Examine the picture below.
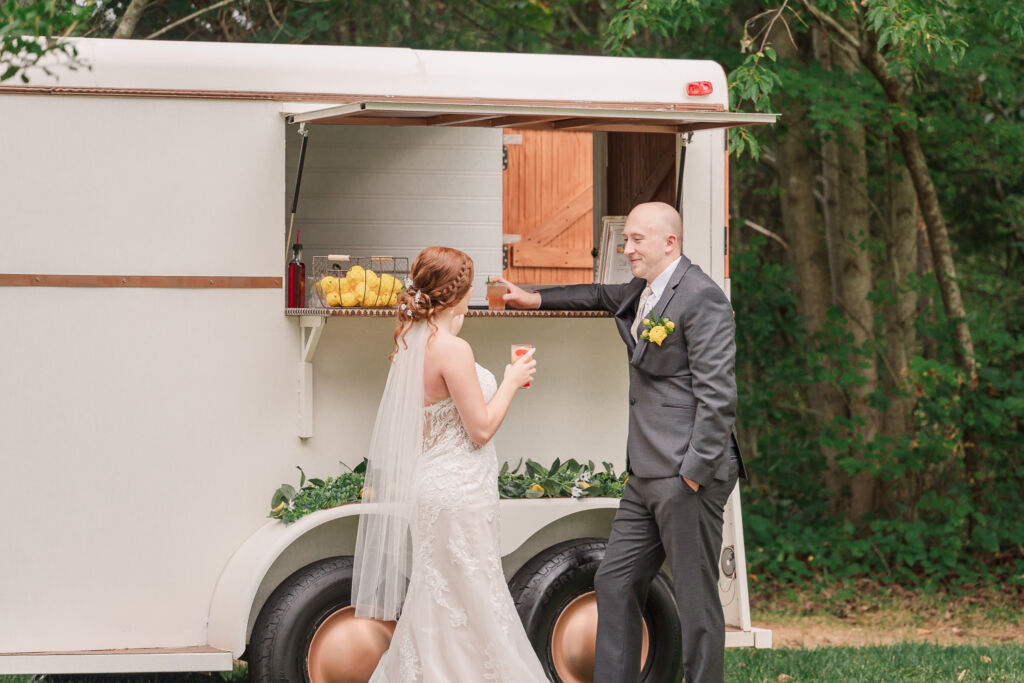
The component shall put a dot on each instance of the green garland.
(567, 479)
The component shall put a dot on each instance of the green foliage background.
(965, 61)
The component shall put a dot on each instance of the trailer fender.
(236, 592)
(238, 584)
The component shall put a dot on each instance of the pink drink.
(518, 351)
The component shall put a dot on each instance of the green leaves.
(560, 479)
(31, 33)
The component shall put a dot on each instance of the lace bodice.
(442, 425)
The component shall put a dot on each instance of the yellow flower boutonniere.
(657, 329)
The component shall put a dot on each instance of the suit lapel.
(659, 308)
(626, 312)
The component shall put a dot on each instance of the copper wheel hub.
(574, 639)
(345, 649)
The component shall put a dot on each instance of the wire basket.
(347, 281)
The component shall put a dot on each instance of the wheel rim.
(346, 649)
(574, 640)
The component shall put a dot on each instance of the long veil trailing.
(382, 557)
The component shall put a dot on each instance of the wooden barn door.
(548, 200)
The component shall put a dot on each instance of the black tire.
(279, 646)
(545, 585)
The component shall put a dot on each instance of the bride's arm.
(458, 369)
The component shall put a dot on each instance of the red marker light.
(699, 88)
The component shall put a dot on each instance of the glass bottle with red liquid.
(296, 281)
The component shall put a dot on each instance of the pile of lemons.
(360, 287)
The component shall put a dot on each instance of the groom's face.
(649, 247)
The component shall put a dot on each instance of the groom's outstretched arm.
(569, 298)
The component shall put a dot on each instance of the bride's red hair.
(441, 276)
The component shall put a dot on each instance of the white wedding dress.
(458, 621)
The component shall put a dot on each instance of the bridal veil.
(383, 556)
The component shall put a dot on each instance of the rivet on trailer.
(162, 395)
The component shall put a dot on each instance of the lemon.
(372, 280)
(333, 299)
(359, 292)
(356, 274)
(343, 285)
(393, 299)
(328, 284)
(348, 300)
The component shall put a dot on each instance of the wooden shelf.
(473, 313)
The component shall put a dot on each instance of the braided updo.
(441, 277)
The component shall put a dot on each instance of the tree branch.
(766, 232)
(832, 24)
(130, 19)
(179, 22)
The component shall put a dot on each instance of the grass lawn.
(903, 662)
(924, 662)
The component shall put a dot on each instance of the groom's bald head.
(661, 217)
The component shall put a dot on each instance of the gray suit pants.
(661, 518)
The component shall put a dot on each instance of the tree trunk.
(938, 234)
(829, 172)
(131, 17)
(901, 262)
(807, 252)
(855, 283)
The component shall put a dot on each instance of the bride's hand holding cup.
(522, 370)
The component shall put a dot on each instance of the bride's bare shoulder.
(451, 348)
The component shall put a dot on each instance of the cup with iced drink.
(518, 351)
(495, 292)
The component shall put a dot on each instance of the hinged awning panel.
(582, 116)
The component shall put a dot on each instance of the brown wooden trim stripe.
(190, 649)
(341, 98)
(472, 313)
(151, 281)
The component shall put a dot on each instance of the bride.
(429, 548)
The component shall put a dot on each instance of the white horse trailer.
(157, 390)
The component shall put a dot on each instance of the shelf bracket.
(310, 329)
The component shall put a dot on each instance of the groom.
(681, 452)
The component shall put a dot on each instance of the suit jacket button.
(632, 401)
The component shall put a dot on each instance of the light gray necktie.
(640, 311)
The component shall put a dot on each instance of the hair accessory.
(416, 299)
(408, 283)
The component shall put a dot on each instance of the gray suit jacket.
(682, 394)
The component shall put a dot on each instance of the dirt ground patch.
(826, 631)
(884, 616)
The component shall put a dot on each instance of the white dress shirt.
(658, 287)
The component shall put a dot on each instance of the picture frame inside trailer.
(612, 264)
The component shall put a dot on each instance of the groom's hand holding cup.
(517, 297)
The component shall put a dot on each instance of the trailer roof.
(304, 73)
